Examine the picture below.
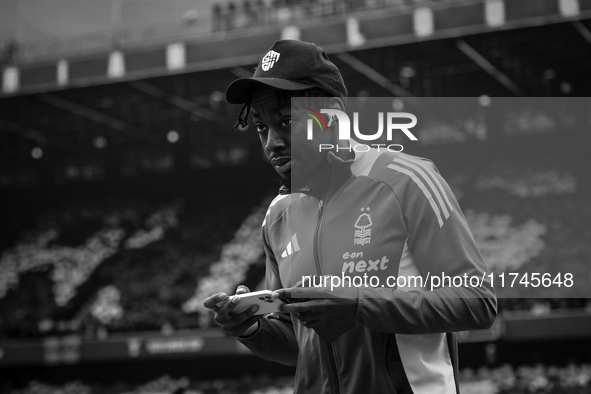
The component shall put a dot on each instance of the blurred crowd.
(505, 379)
(233, 15)
(121, 265)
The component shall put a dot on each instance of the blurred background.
(128, 196)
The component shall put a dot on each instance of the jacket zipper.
(333, 375)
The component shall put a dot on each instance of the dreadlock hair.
(283, 98)
(243, 121)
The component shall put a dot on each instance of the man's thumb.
(242, 289)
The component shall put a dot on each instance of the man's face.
(282, 133)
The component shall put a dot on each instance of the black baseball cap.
(290, 65)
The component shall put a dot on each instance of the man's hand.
(241, 324)
(320, 305)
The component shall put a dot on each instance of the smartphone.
(328, 332)
(261, 298)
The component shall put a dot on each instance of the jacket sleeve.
(441, 245)
(275, 339)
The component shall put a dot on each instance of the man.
(351, 214)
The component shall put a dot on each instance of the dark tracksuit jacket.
(385, 214)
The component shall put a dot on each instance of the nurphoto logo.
(392, 120)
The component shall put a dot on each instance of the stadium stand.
(505, 379)
(127, 264)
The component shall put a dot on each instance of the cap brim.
(239, 91)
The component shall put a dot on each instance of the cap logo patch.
(269, 60)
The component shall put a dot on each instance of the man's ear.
(336, 103)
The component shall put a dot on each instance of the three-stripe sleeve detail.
(433, 175)
(423, 189)
(436, 192)
(428, 183)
